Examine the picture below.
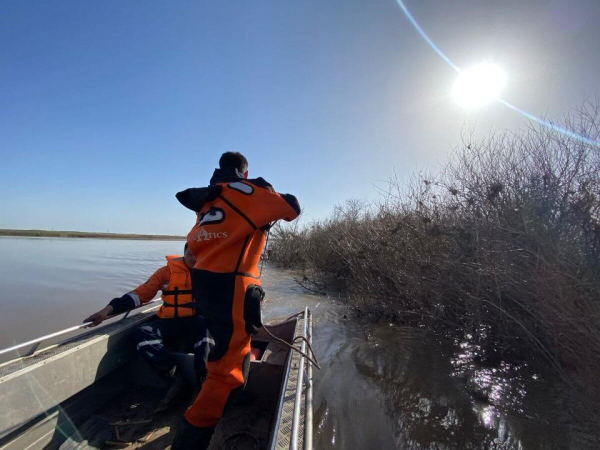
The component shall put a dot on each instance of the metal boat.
(93, 391)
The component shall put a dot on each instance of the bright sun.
(478, 85)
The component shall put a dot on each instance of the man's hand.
(100, 316)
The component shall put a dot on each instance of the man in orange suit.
(233, 215)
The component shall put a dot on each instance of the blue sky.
(109, 108)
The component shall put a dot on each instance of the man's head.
(234, 160)
(188, 257)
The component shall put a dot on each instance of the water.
(380, 387)
(48, 284)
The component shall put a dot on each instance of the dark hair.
(185, 247)
(233, 160)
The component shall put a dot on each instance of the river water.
(380, 386)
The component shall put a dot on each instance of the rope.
(283, 322)
(302, 338)
(266, 327)
(291, 317)
(292, 347)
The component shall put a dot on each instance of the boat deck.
(129, 421)
(94, 392)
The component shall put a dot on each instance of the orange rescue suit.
(233, 215)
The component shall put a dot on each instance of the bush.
(506, 239)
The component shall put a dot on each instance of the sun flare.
(478, 85)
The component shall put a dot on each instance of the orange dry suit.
(233, 216)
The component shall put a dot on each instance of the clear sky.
(108, 108)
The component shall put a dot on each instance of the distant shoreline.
(89, 235)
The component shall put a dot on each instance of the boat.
(93, 391)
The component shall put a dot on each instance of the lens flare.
(479, 85)
(448, 61)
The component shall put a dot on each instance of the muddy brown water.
(380, 387)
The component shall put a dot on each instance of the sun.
(478, 85)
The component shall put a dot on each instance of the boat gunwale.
(281, 400)
(87, 337)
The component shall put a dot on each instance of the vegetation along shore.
(501, 245)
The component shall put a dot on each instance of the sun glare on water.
(478, 85)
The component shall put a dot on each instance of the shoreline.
(89, 235)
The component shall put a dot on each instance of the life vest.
(177, 294)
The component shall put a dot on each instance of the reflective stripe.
(144, 343)
(135, 297)
(206, 339)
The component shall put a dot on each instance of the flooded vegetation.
(389, 386)
(498, 253)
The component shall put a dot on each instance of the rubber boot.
(189, 437)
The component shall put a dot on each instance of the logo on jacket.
(204, 235)
(215, 215)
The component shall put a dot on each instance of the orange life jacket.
(177, 294)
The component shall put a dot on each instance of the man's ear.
(246, 174)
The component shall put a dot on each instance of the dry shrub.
(506, 239)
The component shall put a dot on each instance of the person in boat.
(233, 215)
(177, 321)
